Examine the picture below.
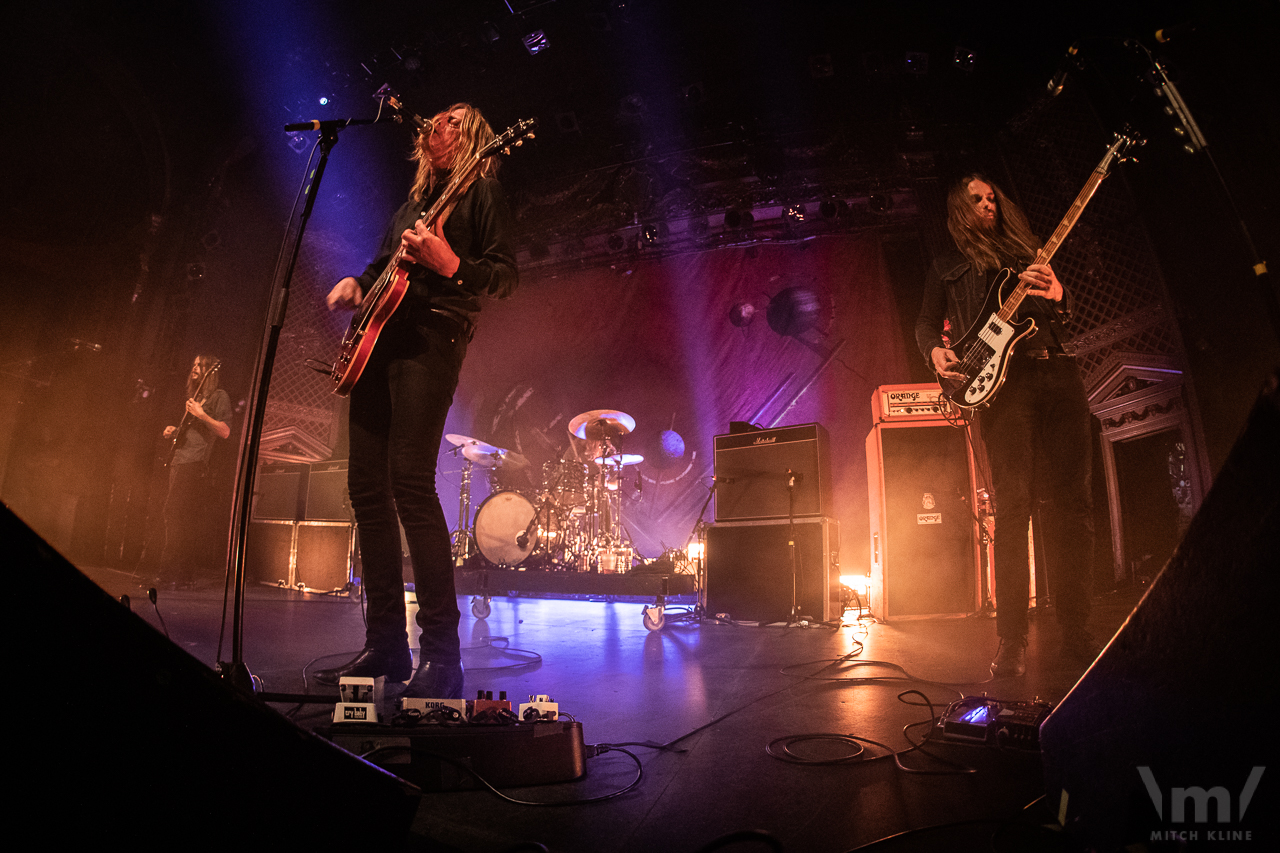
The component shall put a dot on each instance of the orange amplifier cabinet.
(924, 548)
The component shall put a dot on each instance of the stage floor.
(718, 695)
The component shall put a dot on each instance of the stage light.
(880, 203)
(324, 102)
(535, 41)
(858, 583)
(649, 235)
(616, 243)
(794, 214)
(695, 551)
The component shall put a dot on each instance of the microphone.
(1060, 79)
(522, 540)
(336, 124)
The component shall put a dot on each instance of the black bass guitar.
(985, 348)
(187, 419)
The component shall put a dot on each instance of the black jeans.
(184, 509)
(1037, 433)
(398, 411)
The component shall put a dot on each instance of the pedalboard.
(438, 757)
(983, 721)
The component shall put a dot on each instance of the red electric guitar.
(985, 348)
(386, 294)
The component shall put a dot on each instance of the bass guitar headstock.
(1122, 144)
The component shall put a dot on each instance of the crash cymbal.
(483, 455)
(466, 441)
(600, 424)
(487, 456)
(619, 460)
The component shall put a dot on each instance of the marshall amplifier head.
(773, 473)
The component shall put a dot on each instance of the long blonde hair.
(473, 135)
(1011, 240)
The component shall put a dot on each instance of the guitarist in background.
(401, 400)
(1037, 427)
(205, 419)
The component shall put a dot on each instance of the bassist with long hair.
(205, 418)
(1036, 429)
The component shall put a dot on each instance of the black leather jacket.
(954, 291)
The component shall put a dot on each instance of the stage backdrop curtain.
(653, 338)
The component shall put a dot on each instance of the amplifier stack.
(773, 552)
(925, 558)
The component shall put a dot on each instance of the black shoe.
(371, 663)
(1011, 658)
(435, 681)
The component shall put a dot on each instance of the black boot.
(1011, 658)
(371, 663)
(435, 681)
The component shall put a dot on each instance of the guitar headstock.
(512, 137)
(1121, 145)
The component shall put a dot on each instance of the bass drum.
(503, 518)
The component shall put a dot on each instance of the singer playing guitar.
(402, 397)
(1037, 429)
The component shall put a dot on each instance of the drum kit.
(572, 521)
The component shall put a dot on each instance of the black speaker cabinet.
(327, 497)
(1166, 735)
(754, 472)
(749, 570)
(148, 745)
(312, 554)
(924, 545)
(280, 491)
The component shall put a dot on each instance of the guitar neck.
(1050, 248)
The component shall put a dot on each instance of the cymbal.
(466, 441)
(487, 456)
(619, 460)
(601, 423)
(514, 460)
(483, 455)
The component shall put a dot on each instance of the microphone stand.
(791, 543)
(1196, 141)
(235, 671)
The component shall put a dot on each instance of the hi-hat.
(619, 460)
(600, 424)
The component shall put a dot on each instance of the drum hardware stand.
(462, 539)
